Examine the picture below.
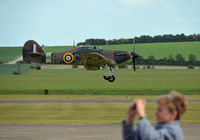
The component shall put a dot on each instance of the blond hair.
(174, 101)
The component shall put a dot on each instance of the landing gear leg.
(109, 74)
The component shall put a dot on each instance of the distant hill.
(161, 50)
(9, 53)
(158, 50)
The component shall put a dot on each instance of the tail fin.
(32, 52)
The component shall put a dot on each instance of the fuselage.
(117, 56)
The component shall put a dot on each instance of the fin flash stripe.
(68, 58)
(34, 48)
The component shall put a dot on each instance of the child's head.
(170, 107)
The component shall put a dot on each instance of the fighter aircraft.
(92, 58)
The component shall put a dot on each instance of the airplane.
(91, 58)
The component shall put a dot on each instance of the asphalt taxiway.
(76, 132)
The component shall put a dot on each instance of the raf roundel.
(68, 58)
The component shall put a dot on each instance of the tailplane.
(33, 53)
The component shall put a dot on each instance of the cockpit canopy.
(85, 47)
(90, 47)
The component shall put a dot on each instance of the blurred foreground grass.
(80, 113)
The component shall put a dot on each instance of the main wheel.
(111, 78)
(105, 77)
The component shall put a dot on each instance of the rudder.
(32, 52)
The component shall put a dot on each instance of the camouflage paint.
(112, 57)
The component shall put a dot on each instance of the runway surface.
(76, 101)
(76, 132)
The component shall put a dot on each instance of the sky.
(59, 22)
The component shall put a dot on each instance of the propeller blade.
(134, 55)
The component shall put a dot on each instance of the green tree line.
(143, 39)
(179, 60)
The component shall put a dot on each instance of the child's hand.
(140, 105)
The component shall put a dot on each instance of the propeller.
(134, 55)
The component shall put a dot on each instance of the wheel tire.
(105, 77)
(111, 78)
(38, 68)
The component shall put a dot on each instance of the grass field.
(70, 97)
(9, 53)
(81, 81)
(56, 48)
(10, 68)
(80, 84)
(79, 113)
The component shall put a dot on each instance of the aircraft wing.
(96, 59)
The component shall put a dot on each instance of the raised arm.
(128, 132)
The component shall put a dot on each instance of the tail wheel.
(37, 67)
